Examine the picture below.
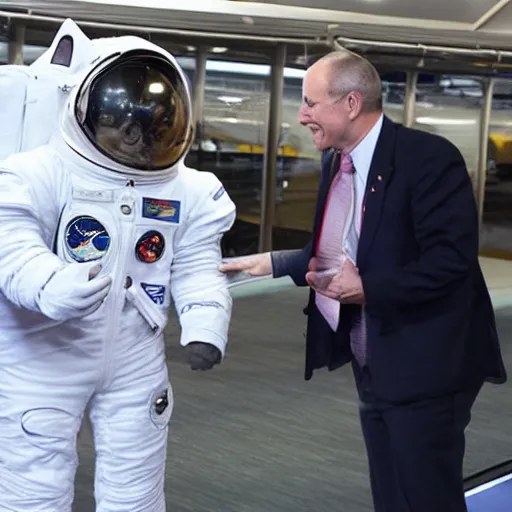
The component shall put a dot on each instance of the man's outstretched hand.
(254, 265)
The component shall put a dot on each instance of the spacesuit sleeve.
(199, 289)
(26, 262)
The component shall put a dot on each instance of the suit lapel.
(379, 176)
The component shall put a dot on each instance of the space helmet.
(134, 107)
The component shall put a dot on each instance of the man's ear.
(354, 102)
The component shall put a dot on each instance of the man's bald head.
(349, 72)
(342, 100)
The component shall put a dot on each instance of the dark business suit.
(431, 331)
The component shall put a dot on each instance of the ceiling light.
(444, 121)
(156, 88)
(230, 99)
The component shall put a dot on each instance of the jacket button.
(128, 282)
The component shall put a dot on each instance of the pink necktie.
(338, 210)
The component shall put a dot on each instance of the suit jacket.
(430, 321)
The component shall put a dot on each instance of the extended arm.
(446, 230)
(293, 263)
(199, 289)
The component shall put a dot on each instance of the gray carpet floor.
(253, 436)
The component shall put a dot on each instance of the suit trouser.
(42, 402)
(415, 450)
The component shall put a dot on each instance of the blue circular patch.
(86, 239)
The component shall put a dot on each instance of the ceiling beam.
(29, 17)
(424, 50)
(245, 9)
(483, 20)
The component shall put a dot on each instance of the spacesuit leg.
(42, 401)
(130, 417)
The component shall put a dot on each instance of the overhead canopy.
(425, 30)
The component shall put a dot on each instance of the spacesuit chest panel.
(130, 231)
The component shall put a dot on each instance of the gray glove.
(202, 356)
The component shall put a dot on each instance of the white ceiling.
(502, 22)
(278, 17)
(459, 23)
(466, 11)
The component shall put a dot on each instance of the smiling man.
(401, 294)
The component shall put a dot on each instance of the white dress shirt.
(362, 156)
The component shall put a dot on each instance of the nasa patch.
(86, 239)
(155, 292)
(150, 247)
(161, 209)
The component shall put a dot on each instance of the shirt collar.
(362, 154)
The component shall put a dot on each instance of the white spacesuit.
(100, 230)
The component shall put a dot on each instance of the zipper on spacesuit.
(146, 310)
(126, 204)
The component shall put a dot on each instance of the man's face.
(326, 117)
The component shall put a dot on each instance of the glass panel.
(298, 175)
(393, 95)
(450, 106)
(497, 218)
(230, 143)
(30, 52)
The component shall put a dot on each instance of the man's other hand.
(344, 285)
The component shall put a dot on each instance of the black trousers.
(415, 450)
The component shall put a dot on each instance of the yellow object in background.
(502, 146)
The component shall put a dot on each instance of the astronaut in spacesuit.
(100, 229)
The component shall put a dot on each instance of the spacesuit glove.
(203, 356)
(74, 292)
